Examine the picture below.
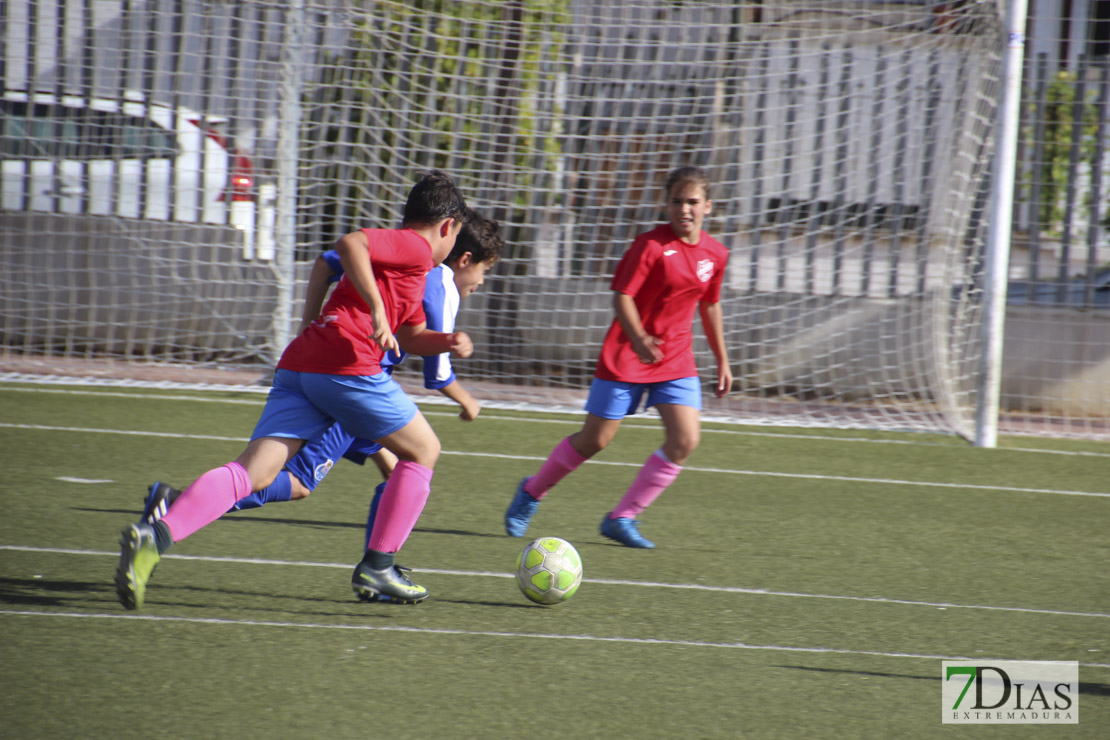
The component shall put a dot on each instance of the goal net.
(848, 143)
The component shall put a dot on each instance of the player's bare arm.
(318, 283)
(647, 347)
(420, 340)
(354, 255)
(469, 404)
(713, 324)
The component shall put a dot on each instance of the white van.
(124, 158)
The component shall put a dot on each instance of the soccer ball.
(548, 570)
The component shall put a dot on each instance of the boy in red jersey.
(660, 280)
(477, 249)
(332, 373)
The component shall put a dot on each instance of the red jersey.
(339, 341)
(666, 278)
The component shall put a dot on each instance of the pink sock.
(403, 500)
(562, 461)
(657, 473)
(207, 499)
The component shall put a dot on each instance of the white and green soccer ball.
(548, 570)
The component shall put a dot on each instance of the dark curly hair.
(433, 199)
(480, 237)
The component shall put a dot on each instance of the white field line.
(499, 634)
(601, 581)
(533, 458)
(573, 418)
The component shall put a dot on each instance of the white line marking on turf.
(811, 476)
(574, 417)
(534, 458)
(261, 401)
(68, 479)
(497, 633)
(125, 432)
(601, 581)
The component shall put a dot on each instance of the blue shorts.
(612, 399)
(306, 405)
(361, 449)
(315, 459)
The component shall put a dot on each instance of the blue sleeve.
(332, 258)
(438, 372)
(392, 359)
(434, 297)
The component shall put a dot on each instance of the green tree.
(1061, 126)
(434, 83)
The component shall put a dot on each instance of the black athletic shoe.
(159, 498)
(390, 584)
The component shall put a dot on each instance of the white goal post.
(849, 145)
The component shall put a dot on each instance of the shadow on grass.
(40, 592)
(878, 674)
(355, 606)
(1085, 688)
(500, 604)
(297, 606)
(459, 532)
(43, 592)
(244, 517)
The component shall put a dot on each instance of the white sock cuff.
(663, 456)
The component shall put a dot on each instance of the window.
(45, 131)
(1100, 28)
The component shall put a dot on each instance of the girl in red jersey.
(667, 274)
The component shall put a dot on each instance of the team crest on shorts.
(322, 469)
(705, 270)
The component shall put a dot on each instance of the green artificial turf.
(805, 584)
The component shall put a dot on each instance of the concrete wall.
(810, 347)
(104, 286)
(1057, 361)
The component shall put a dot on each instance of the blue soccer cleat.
(625, 531)
(520, 512)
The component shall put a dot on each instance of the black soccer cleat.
(390, 584)
(159, 498)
